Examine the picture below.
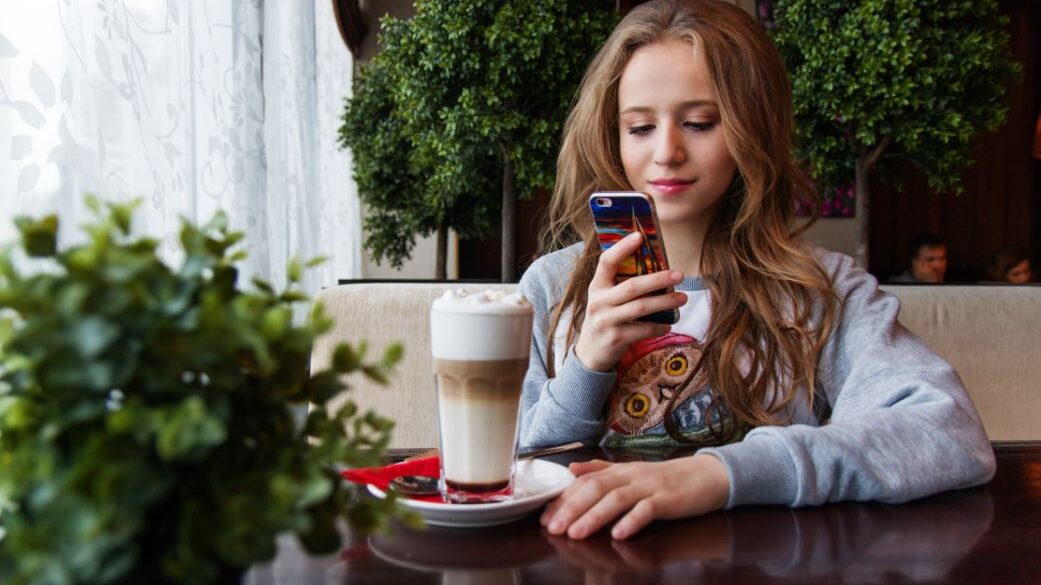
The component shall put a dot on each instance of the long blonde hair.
(765, 283)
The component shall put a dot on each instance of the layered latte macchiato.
(480, 345)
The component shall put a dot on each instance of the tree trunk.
(866, 159)
(862, 190)
(442, 251)
(509, 220)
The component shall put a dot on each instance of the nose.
(669, 148)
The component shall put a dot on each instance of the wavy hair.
(766, 286)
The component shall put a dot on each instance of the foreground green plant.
(147, 429)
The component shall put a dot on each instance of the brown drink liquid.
(479, 406)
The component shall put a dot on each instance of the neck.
(683, 244)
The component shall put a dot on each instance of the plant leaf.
(42, 85)
(7, 48)
(30, 114)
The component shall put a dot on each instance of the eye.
(641, 129)
(637, 405)
(676, 366)
(699, 126)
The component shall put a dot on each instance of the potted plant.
(461, 113)
(147, 423)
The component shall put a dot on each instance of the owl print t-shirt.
(656, 382)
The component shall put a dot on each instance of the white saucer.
(539, 481)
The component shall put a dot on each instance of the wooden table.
(990, 534)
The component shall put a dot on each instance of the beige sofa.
(991, 334)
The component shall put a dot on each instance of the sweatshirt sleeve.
(901, 427)
(568, 407)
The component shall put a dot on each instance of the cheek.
(716, 157)
(724, 164)
(722, 175)
(631, 155)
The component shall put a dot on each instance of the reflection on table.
(986, 534)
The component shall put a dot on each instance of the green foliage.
(146, 426)
(919, 76)
(455, 89)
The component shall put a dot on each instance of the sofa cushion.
(381, 314)
(990, 334)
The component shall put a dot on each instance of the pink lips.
(671, 186)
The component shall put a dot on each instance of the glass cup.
(480, 345)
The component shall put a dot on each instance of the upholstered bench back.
(992, 337)
(990, 334)
(381, 314)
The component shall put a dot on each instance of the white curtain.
(192, 106)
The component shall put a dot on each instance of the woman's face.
(670, 135)
(1020, 273)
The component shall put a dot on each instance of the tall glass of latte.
(480, 344)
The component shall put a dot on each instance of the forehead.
(1022, 265)
(928, 252)
(663, 74)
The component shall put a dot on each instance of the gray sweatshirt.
(901, 425)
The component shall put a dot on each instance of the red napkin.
(381, 476)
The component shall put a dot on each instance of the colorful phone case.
(616, 215)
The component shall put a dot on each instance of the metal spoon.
(415, 485)
(425, 485)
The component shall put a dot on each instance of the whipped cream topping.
(487, 325)
(486, 301)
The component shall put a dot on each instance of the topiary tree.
(461, 113)
(880, 81)
(398, 208)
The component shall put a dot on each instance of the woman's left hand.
(677, 488)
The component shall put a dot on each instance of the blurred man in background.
(928, 261)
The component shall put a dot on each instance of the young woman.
(787, 363)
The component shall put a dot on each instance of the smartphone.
(616, 215)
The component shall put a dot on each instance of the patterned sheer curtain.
(190, 106)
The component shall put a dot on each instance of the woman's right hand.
(610, 325)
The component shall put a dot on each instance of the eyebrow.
(684, 106)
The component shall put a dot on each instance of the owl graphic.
(651, 373)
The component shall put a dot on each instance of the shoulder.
(832, 262)
(904, 277)
(856, 290)
(544, 281)
(842, 270)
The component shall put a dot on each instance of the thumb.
(612, 258)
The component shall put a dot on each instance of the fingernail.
(677, 276)
(556, 527)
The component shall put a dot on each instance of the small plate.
(539, 481)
